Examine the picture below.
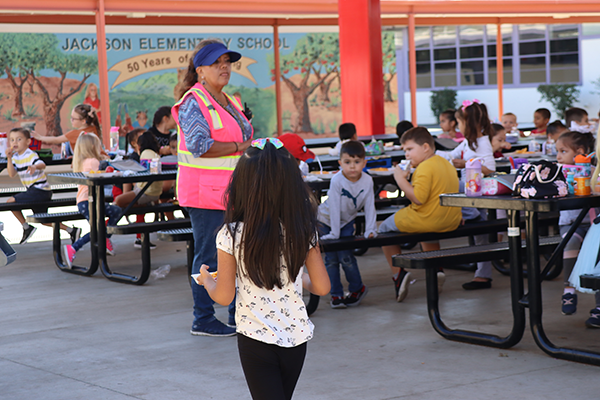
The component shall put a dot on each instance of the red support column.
(361, 67)
(103, 73)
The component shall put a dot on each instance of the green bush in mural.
(442, 100)
(561, 96)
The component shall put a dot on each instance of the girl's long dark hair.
(476, 120)
(147, 140)
(89, 116)
(268, 195)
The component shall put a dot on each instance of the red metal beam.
(103, 74)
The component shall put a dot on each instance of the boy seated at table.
(509, 122)
(23, 161)
(577, 120)
(350, 191)
(433, 176)
(346, 132)
(541, 117)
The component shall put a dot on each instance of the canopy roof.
(297, 12)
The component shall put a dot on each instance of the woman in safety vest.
(212, 134)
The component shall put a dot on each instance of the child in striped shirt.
(24, 162)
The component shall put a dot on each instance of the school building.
(463, 58)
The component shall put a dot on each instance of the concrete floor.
(64, 336)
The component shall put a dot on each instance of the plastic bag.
(160, 272)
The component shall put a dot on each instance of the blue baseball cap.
(211, 53)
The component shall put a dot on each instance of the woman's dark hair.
(89, 116)
(191, 76)
(266, 192)
(476, 120)
(578, 140)
(449, 114)
(160, 114)
(147, 140)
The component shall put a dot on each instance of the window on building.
(465, 56)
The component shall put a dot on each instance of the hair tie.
(468, 103)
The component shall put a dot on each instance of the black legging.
(271, 371)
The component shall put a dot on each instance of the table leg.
(516, 278)
(101, 248)
(535, 302)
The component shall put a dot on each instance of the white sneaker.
(441, 276)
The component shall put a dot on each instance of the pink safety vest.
(201, 181)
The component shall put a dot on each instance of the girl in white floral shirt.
(262, 267)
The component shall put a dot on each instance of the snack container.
(404, 165)
(155, 166)
(582, 186)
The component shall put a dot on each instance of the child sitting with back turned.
(555, 129)
(23, 161)
(433, 176)
(541, 117)
(350, 191)
(87, 158)
(346, 132)
(577, 120)
(268, 239)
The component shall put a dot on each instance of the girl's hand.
(36, 135)
(458, 163)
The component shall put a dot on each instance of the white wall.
(523, 101)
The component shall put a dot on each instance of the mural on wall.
(43, 75)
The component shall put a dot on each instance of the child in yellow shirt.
(432, 177)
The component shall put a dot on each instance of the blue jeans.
(205, 226)
(112, 212)
(346, 258)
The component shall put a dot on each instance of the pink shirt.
(89, 164)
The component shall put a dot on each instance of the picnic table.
(332, 140)
(97, 182)
(533, 300)
(55, 160)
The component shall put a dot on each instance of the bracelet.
(236, 146)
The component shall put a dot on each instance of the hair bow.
(260, 143)
(467, 103)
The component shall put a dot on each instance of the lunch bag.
(540, 180)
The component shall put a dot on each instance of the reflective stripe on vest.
(214, 115)
(226, 163)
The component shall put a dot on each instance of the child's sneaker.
(110, 250)
(69, 255)
(401, 285)
(75, 234)
(594, 320)
(27, 234)
(569, 303)
(354, 298)
(138, 244)
(337, 302)
(441, 276)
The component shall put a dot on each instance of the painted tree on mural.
(17, 53)
(307, 53)
(389, 64)
(36, 53)
(327, 66)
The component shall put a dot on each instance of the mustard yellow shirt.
(431, 178)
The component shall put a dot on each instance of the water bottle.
(534, 146)
(549, 147)
(114, 138)
(473, 180)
